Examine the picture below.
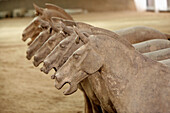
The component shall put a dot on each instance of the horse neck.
(124, 68)
(84, 27)
(121, 60)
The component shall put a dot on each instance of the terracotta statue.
(159, 55)
(133, 82)
(38, 42)
(140, 34)
(152, 45)
(43, 14)
(59, 56)
(53, 41)
(166, 62)
(47, 47)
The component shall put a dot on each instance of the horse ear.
(56, 19)
(101, 31)
(81, 36)
(56, 24)
(69, 22)
(52, 6)
(59, 23)
(44, 24)
(93, 62)
(39, 10)
(57, 8)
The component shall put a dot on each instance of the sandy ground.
(24, 89)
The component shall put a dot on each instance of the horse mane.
(100, 31)
(57, 8)
(84, 25)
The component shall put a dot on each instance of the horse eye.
(62, 45)
(76, 56)
(45, 27)
(50, 41)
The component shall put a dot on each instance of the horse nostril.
(36, 58)
(28, 54)
(24, 37)
(23, 34)
(28, 51)
(53, 76)
(46, 63)
(42, 69)
(59, 83)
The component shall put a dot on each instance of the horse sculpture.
(43, 14)
(43, 20)
(133, 82)
(59, 56)
(53, 42)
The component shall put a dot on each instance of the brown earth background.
(24, 89)
(90, 5)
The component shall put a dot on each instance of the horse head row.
(78, 51)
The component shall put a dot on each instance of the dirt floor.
(24, 89)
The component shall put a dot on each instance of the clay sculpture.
(133, 82)
(166, 62)
(30, 30)
(38, 42)
(152, 45)
(47, 47)
(140, 34)
(59, 56)
(76, 52)
(43, 14)
(129, 31)
(132, 34)
(52, 10)
(159, 55)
